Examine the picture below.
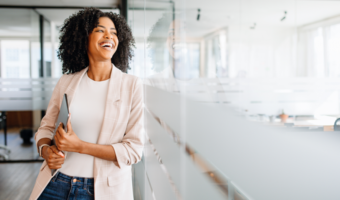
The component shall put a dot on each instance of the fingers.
(56, 153)
(53, 148)
(60, 133)
(56, 139)
(55, 158)
(55, 163)
(60, 129)
(58, 161)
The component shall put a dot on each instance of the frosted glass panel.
(247, 90)
(159, 183)
(166, 106)
(197, 185)
(247, 147)
(25, 94)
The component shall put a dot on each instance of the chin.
(106, 57)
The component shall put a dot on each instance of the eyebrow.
(105, 27)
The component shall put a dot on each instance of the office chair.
(336, 126)
(2, 126)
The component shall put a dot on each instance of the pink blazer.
(121, 128)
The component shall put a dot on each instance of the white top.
(87, 111)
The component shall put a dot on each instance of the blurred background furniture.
(4, 127)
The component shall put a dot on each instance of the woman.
(104, 132)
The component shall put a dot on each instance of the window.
(15, 59)
(319, 51)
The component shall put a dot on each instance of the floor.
(17, 179)
(19, 151)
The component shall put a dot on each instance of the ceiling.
(214, 14)
(217, 14)
(265, 13)
(24, 22)
(19, 23)
(59, 15)
(82, 3)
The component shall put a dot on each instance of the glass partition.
(20, 59)
(35, 46)
(26, 84)
(47, 49)
(241, 98)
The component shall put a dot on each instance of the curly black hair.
(74, 40)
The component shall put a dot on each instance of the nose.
(108, 36)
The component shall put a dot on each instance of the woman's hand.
(67, 141)
(53, 157)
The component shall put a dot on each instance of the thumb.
(69, 127)
(56, 151)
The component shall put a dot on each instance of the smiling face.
(103, 41)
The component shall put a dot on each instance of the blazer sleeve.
(47, 124)
(129, 151)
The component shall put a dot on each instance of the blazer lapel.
(73, 85)
(112, 106)
(114, 85)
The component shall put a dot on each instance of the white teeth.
(106, 44)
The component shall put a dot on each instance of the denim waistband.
(74, 179)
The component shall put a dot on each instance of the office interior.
(241, 97)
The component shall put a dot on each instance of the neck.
(99, 71)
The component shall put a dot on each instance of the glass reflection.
(230, 78)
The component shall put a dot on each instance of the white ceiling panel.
(97, 3)
(59, 15)
(217, 14)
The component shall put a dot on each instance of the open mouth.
(107, 45)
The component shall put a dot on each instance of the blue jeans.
(62, 187)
